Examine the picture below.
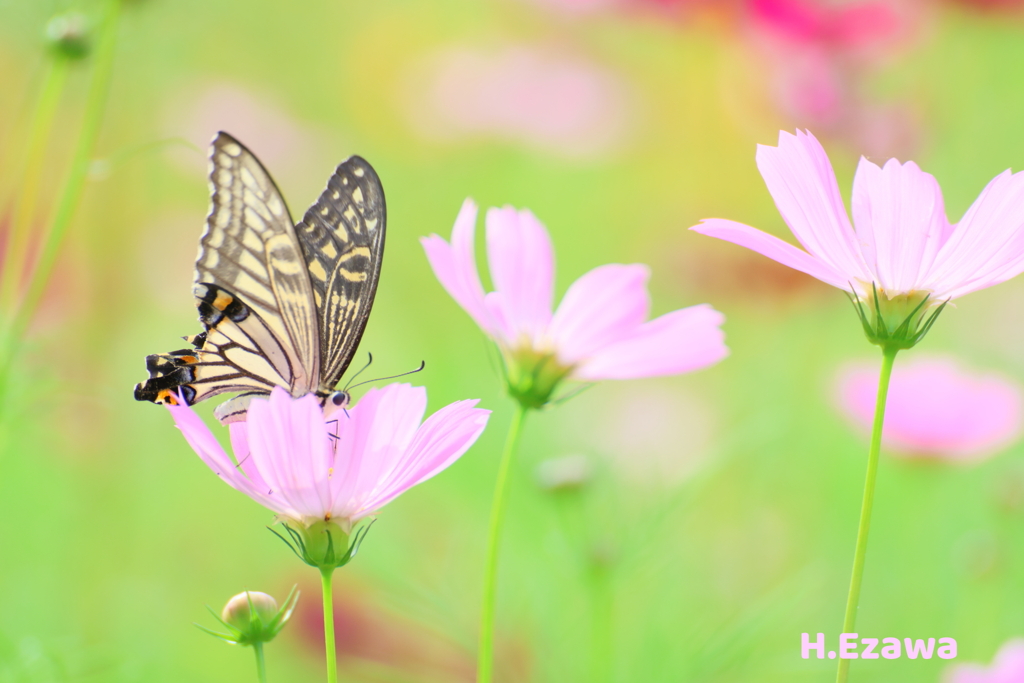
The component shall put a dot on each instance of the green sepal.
(314, 554)
(887, 322)
(532, 377)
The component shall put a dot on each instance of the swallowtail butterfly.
(281, 304)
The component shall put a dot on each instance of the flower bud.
(68, 35)
(252, 617)
(248, 608)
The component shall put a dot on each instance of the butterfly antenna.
(423, 364)
(352, 378)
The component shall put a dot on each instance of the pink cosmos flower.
(903, 243)
(600, 330)
(1007, 667)
(936, 408)
(308, 469)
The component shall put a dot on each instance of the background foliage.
(719, 520)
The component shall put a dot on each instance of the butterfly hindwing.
(342, 240)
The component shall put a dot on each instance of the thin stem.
(849, 621)
(329, 644)
(67, 201)
(602, 616)
(40, 125)
(261, 663)
(485, 656)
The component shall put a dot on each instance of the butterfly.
(281, 304)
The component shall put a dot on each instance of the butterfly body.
(281, 304)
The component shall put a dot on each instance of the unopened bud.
(248, 607)
(68, 35)
(252, 617)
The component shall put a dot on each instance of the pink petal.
(384, 427)
(677, 342)
(290, 447)
(239, 432)
(775, 249)
(522, 267)
(454, 266)
(935, 408)
(901, 221)
(440, 441)
(800, 179)
(600, 308)
(206, 446)
(1007, 667)
(987, 246)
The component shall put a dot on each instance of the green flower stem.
(849, 622)
(603, 618)
(261, 663)
(72, 190)
(40, 125)
(329, 645)
(485, 656)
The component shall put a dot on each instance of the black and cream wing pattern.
(281, 304)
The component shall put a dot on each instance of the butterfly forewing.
(281, 305)
(249, 250)
(342, 240)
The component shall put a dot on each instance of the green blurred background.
(719, 520)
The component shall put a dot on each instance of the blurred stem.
(601, 627)
(40, 125)
(261, 663)
(485, 656)
(849, 622)
(71, 192)
(329, 644)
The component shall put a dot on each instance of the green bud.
(897, 322)
(252, 617)
(68, 35)
(323, 543)
(247, 608)
(533, 376)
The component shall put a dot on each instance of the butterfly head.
(335, 401)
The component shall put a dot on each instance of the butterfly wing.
(253, 292)
(342, 241)
(250, 250)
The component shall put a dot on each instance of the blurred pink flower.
(903, 242)
(286, 144)
(600, 330)
(992, 5)
(936, 408)
(549, 101)
(576, 7)
(819, 57)
(807, 21)
(1007, 667)
(292, 461)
